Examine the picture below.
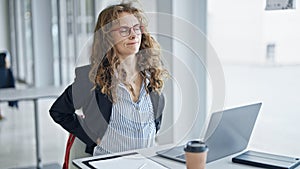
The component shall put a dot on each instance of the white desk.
(32, 94)
(224, 163)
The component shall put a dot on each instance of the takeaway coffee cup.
(195, 154)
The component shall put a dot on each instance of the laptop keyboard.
(182, 156)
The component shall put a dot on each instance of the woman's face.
(126, 35)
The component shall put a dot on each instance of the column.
(42, 43)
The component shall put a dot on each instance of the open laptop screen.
(233, 131)
(228, 132)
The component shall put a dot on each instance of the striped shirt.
(131, 124)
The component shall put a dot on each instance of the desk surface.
(224, 163)
(10, 94)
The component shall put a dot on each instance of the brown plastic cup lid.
(195, 146)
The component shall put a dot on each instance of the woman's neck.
(129, 64)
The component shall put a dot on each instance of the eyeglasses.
(126, 31)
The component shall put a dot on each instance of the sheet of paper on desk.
(136, 161)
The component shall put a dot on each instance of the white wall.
(235, 30)
(282, 27)
(241, 29)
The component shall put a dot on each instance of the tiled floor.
(17, 141)
(277, 127)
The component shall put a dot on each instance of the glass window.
(22, 40)
(73, 23)
(260, 52)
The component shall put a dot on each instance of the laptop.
(228, 132)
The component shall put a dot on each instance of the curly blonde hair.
(104, 61)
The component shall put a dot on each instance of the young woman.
(122, 104)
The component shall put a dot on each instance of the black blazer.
(95, 106)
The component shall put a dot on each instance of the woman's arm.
(63, 112)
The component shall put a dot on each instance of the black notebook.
(266, 160)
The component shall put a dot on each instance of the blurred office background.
(259, 52)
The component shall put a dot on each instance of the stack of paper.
(127, 162)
